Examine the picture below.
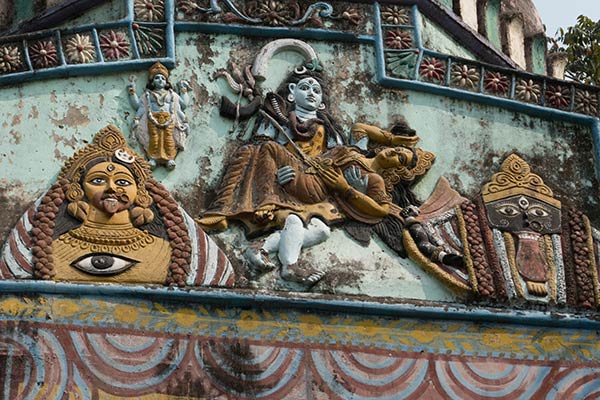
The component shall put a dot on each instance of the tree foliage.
(581, 43)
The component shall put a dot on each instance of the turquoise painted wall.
(45, 122)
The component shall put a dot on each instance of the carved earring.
(321, 106)
(291, 98)
(74, 192)
(143, 198)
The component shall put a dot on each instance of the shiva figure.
(160, 125)
(302, 174)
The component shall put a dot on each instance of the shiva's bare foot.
(307, 276)
(258, 260)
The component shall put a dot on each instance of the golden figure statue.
(160, 124)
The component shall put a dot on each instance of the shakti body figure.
(107, 220)
(160, 125)
(302, 174)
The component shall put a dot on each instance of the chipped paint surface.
(48, 121)
(376, 326)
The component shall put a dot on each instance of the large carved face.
(523, 213)
(307, 93)
(110, 187)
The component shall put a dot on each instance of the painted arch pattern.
(50, 362)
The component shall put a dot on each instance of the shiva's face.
(110, 187)
(159, 81)
(307, 93)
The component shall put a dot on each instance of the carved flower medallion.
(464, 76)
(274, 13)
(496, 83)
(149, 10)
(398, 39)
(586, 102)
(80, 49)
(558, 96)
(43, 54)
(528, 90)
(10, 59)
(114, 45)
(432, 69)
(395, 15)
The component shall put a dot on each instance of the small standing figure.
(160, 125)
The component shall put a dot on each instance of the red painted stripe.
(23, 234)
(202, 255)
(21, 260)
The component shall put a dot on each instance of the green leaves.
(581, 42)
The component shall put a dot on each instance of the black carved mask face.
(523, 213)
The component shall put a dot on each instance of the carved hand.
(410, 141)
(184, 86)
(353, 176)
(131, 88)
(334, 179)
(410, 211)
(285, 175)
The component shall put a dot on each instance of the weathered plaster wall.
(129, 341)
(436, 39)
(47, 121)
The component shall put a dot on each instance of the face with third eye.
(307, 93)
(394, 157)
(110, 187)
(523, 213)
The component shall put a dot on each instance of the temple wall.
(377, 323)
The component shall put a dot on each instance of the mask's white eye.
(537, 212)
(103, 264)
(508, 210)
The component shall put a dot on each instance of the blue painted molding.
(315, 302)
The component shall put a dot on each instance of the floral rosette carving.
(274, 13)
(586, 102)
(79, 49)
(432, 69)
(528, 90)
(558, 96)
(465, 76)
(395, 15)
(149, 10)
(10, 58)
(398, 39)
(43, 54)
(114, 45)
(496, 83)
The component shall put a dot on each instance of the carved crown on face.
(158, 68)
(515, 177)
(109, 142)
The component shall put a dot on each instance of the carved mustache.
(122, 197)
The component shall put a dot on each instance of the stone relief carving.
(514, 243)
(301, 173)
(160, 124)
(271, 12)
(107, 220)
